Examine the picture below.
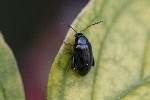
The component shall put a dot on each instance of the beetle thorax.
(82, 40)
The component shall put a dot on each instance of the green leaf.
(10, 82)
(121, 48)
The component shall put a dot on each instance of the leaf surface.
(121, 48)
(10, 82)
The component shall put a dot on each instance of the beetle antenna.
(72, 28)
(91, 25)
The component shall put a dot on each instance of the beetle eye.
(76, 35)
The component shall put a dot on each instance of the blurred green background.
(34, 30)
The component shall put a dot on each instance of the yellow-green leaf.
(121, 48)
(10, 82)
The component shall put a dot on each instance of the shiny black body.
(82, 59)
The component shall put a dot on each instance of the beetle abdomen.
(83, 58)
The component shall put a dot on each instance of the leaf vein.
(102, 44)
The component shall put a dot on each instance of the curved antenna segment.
(72, 28)
(91, 25)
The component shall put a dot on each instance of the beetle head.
(78, 35)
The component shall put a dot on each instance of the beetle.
(82, 58)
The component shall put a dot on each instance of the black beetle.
(82, 58)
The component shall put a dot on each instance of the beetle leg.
(73, 66)
(93, 63)
(67, 43)
(68, 51)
